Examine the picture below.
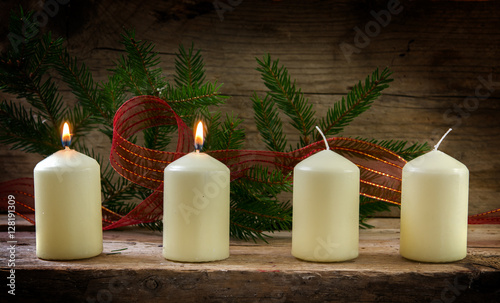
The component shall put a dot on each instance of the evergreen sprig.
(113, 95)
(159, 137)
(189, 68)
(23, 75)
(140, 69)
(222, 135)
(80, 80)
(191, 95)
(115, 190)
(27, 73)
(22, 129)
(269, 123)
(402, 148)
(358, 100)
(32, 123)
(23, 72)
(369, 207)
(230, 136)
(255, 205)
(188, 101)
(288, 98)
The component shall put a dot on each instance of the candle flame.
(66, 135)
(198, 138)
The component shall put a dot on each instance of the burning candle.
(68, 205)
(196, 207)
(434, 204)
(325, 208)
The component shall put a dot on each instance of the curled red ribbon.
(380, 168)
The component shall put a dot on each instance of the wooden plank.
(258, 272)
(438, 51)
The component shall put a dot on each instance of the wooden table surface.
(255, 272)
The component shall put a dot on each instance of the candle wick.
(198, 147)
(324, 138)
(66, 147)
(442, 138)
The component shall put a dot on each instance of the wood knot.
(151, 283)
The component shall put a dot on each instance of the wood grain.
(257, 272)
(439, 51)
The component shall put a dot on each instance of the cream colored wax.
(68, 206)
(196, 209)
(434, 208)
(325, 208)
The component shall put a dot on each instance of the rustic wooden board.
(258, 272)
(438, 51)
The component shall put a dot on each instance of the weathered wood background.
(441, 52)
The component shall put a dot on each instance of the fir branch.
(221, 135)
(212, 126)
(79, 79)
(124, 72)
(158, 137)
(189, 67)
(270, 182)
(81, 121)
(188, 102)
(141, 65)
(401, 147)
(255, 206)
(23, 75)
(268, 123)
(118, 193)
(113, 96)
(45, 97)
(113, 93)
(368, 207)
(288, 98)
(23, 130)
(230, 136)
(156, 225)
(21, 31)
(256, 213)
(358, 100)
(205, 95)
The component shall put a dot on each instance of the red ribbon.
(380, 168)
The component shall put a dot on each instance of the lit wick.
(198, 138)
(66, 136)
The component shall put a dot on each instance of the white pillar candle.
(325, 208)
(196, 207)
(68, 212)
(434, 204)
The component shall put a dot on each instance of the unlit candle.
(434, 207)
(325, 208)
